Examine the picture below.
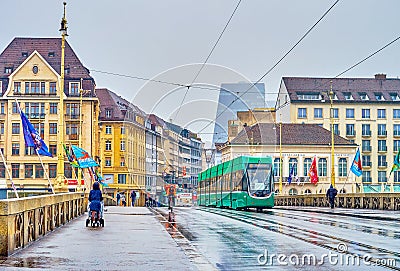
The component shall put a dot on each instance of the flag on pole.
(356, 166)
(312, 172)
(32, 137)
(396, 162)
(83, 158)
(71, 158)
(289, 179)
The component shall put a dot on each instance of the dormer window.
(348, 96)
(379, 97)
(308, 96)
(8, 70)
(108, 113)
(66, 71)
(51, 54)
(24, 54)
(394, 97)
(363, 96)
(74, 89)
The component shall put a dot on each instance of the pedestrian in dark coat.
(331, 194)
(133, 197)
(118, 199)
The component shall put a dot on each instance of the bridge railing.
(24, 220)
(381, 201)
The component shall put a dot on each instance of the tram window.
(244, 182)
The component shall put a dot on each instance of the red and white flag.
(312, 172)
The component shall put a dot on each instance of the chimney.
(380, 76)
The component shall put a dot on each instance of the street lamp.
(331, 96)
(280, 155)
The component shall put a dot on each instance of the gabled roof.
(292, 134)
(341, 86)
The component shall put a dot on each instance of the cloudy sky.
(164, 40)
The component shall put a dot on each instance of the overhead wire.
(207, 58)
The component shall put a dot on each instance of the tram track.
(318, 238)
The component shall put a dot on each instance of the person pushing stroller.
(96, 201)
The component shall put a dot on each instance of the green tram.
(241, 183)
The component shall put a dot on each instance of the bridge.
(49, 232)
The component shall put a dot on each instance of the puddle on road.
(33, 262)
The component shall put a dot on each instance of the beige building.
(122, 148)
(297, 145)
(366, 111)
(30, 75)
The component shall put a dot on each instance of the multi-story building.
(122, 148)
(30, 76)
(364, 110)
(196, 160)
(297, 145)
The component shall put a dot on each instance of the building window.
(53, 88)
(396, 145)
(302, 113)
(293, 191)
(2, 128)
(74, 89)
(347, 96)
(122, 178)
(366, 160)
(15, 129)
(15, 170)
(350, 113)
(322, 167)
(27, 84)
(2, 171)
(122, 161)
(382, 145)
(8, 69)
(382, 130)
(73, 110)
(336, 129)
(42, 87)
(382, 176)
(342, 167)
(52, 170)
(39, 127)
(396, 176)
(396, 113)
(53, 108)
(394, 97)
(51, 54)
(35, 87)
(293, 165)
(17, 87)
(363, 96)
(15, 148)
(108, 113)
(350, 130)
(317, 113)
(381, 113)
(72, 129)
(366, 176)
(108, 130)
(15, 108)
(39, 173)
(122, 145)
(108, 145)
(379, 97)
(365, 113)
(122, 130)
(382, 161)
(335, 113)
(396, 129)
(108, 161)
(366, 130)
(366, 145)
(53, 149)
(2, 108)
(53, 128)
(277, 167)
(67, 170)
(28, 171)
(307, 165)
(30, 151)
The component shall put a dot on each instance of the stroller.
(95, 217)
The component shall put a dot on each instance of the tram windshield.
(259, 179)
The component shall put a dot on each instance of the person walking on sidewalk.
(133, 197)
(331, 194)
(123, 199)
(118, 196)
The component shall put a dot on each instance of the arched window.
(293, 191)
(277, 167)
(342, 191)
(277, 192)
(322, 167)
(293, 164)
(307, 165)
(342, 167)
(307, 192)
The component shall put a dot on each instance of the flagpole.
(45, 172)
(9, 174)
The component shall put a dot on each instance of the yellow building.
(122, 145)
(30, 75)
(364, 110)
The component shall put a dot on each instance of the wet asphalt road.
(239, 242)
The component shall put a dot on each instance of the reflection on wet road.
(236, 240)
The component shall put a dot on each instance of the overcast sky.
(157, 39)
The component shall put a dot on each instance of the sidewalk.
(132, 239)
(359, 213)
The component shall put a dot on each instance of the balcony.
(35, 115)
(366, 179)
(382, 165)
(366, 148)
(366, 133)
(382, 148)
(350, 133)
(72, 117)
(382, 133)
(366, 164)
(73, 137)
(396, 133)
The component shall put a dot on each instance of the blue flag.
(32, 137)
(83, 158)
(356, 167)
(289, 179)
